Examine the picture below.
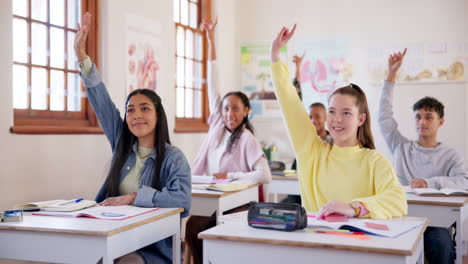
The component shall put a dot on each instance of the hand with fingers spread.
(395, 61)
(298, 60)
(280, 41)
(336, 207)
(418, 183)
(127, 199)
(209, 28)
(81, 36)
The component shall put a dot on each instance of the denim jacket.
(175, 171)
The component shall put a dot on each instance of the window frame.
(185, 124)
(31, 121)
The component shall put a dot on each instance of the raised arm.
(301, 131)
(214, 97)
(107, 113)
(387, 123)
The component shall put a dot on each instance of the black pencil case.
(277, 216)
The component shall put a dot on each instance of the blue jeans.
(439, 246)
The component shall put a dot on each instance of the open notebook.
(432, 191)
(56, 205)
(386, 228)
(103, 212)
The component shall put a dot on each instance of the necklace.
(143, 156)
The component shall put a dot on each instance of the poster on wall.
(256, 79)
(424, 61)
(143, 48)
(324, 68)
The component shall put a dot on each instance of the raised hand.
(298, 60)
(281, 39)
(209, 28)
(81, 36)
(395, 61)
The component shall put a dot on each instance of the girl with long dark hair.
(146, 170)
(230, 149)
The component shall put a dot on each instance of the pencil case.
(277, 216)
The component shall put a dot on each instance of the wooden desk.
(284, 185)
(442, 212)
(238, 243)
(206, 202)
(86, 240)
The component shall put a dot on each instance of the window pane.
(189, 73)
(39, 10)
(180, 101)
(39, 44)
(193, 15)
(198, 75)
(74, 11)
(57, 12)
(57, 49)
(198, 46)
(188, 44)
(73, 93)
(57, 91)
(20, 87)
(188, 103)
(180, 41)
(177, 11)
(197, 103)
(20, 7)
(184, 12)
(39, 89)
(71, 57)
(20, 40)
(180, 71)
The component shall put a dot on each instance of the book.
(57, 205)
(385, 228)
(231, 187)
(102, 212)
(202, 179)
(443, 191)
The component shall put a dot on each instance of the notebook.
(231, 187)
(57, 205)
(443, 191)
(386, 228)
(202, 179)
(103, 212)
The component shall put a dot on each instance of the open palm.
(81, 36)
(395, 61)
(280, 41)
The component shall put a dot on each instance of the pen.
(72, 201)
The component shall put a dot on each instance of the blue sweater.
(175, 171)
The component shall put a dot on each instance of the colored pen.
(72, 201)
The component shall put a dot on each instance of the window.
(48, 97)
(191, 46)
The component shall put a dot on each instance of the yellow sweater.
(328, 172)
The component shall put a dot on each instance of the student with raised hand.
(424, 162)
(349, 177)
(146, 170)
(230, 150)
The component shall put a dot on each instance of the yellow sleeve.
(302, 132)
(390, 198)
